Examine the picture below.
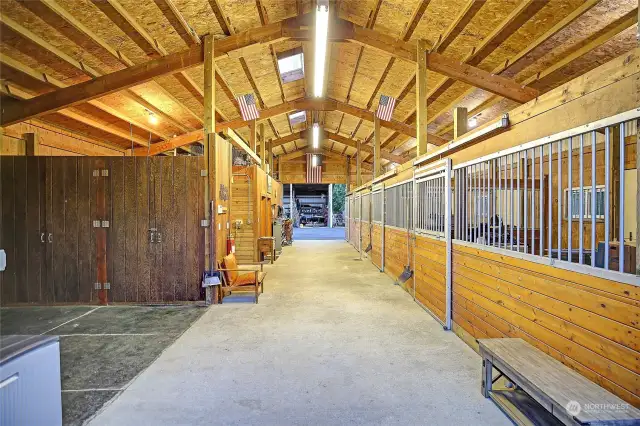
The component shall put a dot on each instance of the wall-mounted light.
(322, 28)
(153, 119)
(316, 136)
(473, 121)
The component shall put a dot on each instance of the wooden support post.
(460, 121)
(638, 183)
(31, 144)
(270, 156)
(421, 97)
(348, 173)
(377, 167)
(210, 150)
(280, 169)
(253, 137)
(359, 166)
(263, 148)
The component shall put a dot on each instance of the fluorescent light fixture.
(314, 160)
(298, 117)
(316, 136)
(291, 65)
(473, 122)
(322, 28)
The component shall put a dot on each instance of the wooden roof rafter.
(52, 13)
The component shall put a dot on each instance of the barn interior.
(331, 211)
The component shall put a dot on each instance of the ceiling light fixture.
(473, 122)
(316, 136)
(322, 29)
(153, 119)
(314, 160)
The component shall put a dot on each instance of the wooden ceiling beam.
(19, 93)
(366, 148)
(459, 23)
(582, 48)
(177, 142)
(57, 17)
(178, 22)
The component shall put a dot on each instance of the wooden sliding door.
(77, 228)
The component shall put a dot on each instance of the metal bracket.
(204, 223)
(97, 286)
(204, 173)
(105, 223)
(105, 172)
(96, 224)
(96, 173)
(107, 286)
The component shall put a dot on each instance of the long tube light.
(322, 28)
(316, 136)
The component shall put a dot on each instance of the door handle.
(50, 237)
(42, 237)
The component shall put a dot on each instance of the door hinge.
(105, 223)
(204, 173)
(96, 224)
(204, 223)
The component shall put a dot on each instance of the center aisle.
(332, 342)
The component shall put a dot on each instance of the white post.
(330, 205)
(291, 201)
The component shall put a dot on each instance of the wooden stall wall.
(430, 274)
(376, 244)
(223, 195)
(366, 237)
(242, 207)
(398, 252)
(588, 323)
(53, 141)
(154, 242)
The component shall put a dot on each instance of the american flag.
(248, 107)
(385, 107)
(314, 174)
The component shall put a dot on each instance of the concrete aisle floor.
(332, 342)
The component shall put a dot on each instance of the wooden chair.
(241, 278)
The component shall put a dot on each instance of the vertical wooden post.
(348, 173)
(263, 147)
(279, 168)
(253, 137)
(459, 122)
(31, 144)
(210, 150)
(421, 97)
(377, 167)
(270, 156)
(359, 166)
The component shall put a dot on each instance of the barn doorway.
(314, 211)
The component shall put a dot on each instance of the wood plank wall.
(333, 171)
(590, 324)
(48, 205)
(376, 244)
(396, 256)
(53, 141)
(430, 274)
(242, 209)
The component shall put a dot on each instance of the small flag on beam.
(314, 169)
(248, 107)
(385, 108)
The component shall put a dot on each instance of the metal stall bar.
(525, 199)
(606, 196)
(541, 204)
(550, 189)
(621, 202)
(581, 199)
(560, 200)
(593, 198)
(447, 234)
(570, 200)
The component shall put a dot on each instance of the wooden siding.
(588, 323)
(242, 206)
(376, 245)
(430, 274)
(395, 254)
(49, 203)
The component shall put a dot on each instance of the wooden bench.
(241, 278)
(571, 398)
